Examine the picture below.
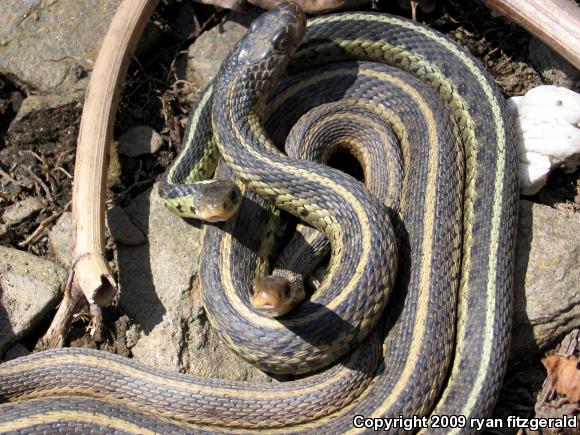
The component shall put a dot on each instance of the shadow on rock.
(523, 332)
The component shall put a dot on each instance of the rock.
(45, 118)
(122, 328)
(555, 70)
(16, 99)
(158, 289)
(59, 239)
(16, 350)
(320, 6)
(547, 277)
(21, 210)
(210, 49)
(139, 140)
(29, 287)
(132, 336)
(314, 6)
(122, 229)
(50, 45)
(12, 157)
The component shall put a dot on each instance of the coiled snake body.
(449, 318)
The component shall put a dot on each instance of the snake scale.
(447, 321)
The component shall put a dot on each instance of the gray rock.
(139, 140)
(29, 287)
(158, 288)
(132, 336)
(45, 118)
(555, 70)
(120, 226)
(16, 350)
(210, 49)
(22, 210)
(50, 45)
(59, 239)
(122, 229)
(547, 279)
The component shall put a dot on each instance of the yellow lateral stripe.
(81, 416)
(498, 197)
(229, 282)
(362, 218)
(205, 98)
(155, 379)
(426, 249)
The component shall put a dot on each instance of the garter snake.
(420, 370)
(326, 134)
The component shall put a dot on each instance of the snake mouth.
(219, 201)
(222, 217)
(273, 296)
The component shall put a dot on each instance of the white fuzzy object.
(548, 126)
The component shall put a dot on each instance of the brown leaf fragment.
(564, 371)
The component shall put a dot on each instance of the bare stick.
(90, 272)
(39, 231)
(556, 22)
(71, 304)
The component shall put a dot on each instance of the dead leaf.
(564, 372)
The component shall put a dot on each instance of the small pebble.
(554, 69)
(21, 210)
(139, 140)
(60, 239)
(30, 288)
(122, 229)
(132, 336)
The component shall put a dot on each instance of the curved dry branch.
(90, 274)
(556, 22)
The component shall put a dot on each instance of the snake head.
(273, 35)
(216, 201)
(274, 296)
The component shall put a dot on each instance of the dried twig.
(556, 22)
(64, 171)
(41, 183)
(37, 157)
(9, 178)
(145, 182)
(40, 229)
(90, 275)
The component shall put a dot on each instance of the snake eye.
(280, 40)
(254, 26)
